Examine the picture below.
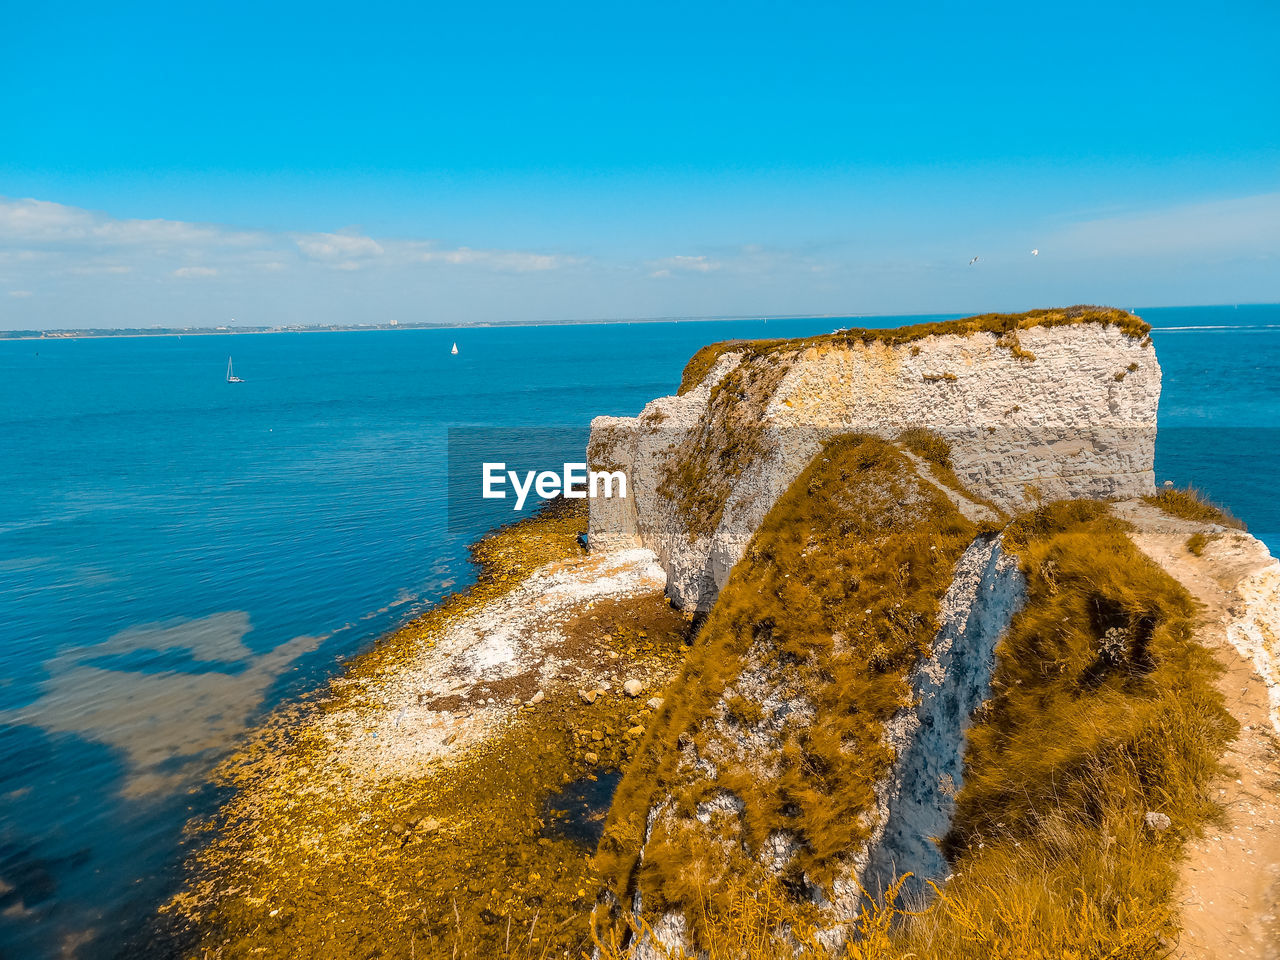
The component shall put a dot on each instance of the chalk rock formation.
(473, 680)
(914, 803)
(1255, 631)
(917, 800)
(1051, 407)
(1237, 570)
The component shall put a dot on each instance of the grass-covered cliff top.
(1103, 710)
(786, 694)
(1001, 324)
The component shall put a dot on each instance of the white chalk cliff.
(1061, 411)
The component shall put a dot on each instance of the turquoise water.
(177, 553)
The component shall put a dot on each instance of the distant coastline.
(89, 333)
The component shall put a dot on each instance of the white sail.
(454, 351)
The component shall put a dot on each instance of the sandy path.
(1230, 884)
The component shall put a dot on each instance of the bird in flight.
(1035, 252)
(974, 260)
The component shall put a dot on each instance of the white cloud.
(54, 240)
(669, 266)
(90, 269)
(507, 260)
(63, 265)
(43, 223)
(343, 251)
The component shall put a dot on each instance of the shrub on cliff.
(1104, 708)
(1190, 504)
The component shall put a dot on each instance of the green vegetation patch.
(925, 443)
(1004, 325)
(804, 657)
(1104, 710)
(1188, 503)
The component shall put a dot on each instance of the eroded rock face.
(912, 805)
(859, 625)
(704, 468)
(918, 799)
(431, 710)
(1255, 630)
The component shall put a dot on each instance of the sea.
(180, 554)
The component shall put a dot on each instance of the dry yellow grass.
(1191, 504)
(833, 604)
(1103, 709)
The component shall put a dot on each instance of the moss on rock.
(309, 857)
(702, 468)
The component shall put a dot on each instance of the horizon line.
(88, 333)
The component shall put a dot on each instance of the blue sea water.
(178, 554)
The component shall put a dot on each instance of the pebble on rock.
(633, 688)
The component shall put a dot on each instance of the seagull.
(974, 260)
(1035, 252)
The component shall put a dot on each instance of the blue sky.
(291, 163)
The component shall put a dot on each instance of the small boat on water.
(231, 377)
(454, 351)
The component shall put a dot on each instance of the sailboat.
(231, 377)
(454, 351)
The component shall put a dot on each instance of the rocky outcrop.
(1255, 630)
(456, 770)
(1048, 411)
(473, 680)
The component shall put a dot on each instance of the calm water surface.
(178, 554)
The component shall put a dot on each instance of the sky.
(285, 163)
